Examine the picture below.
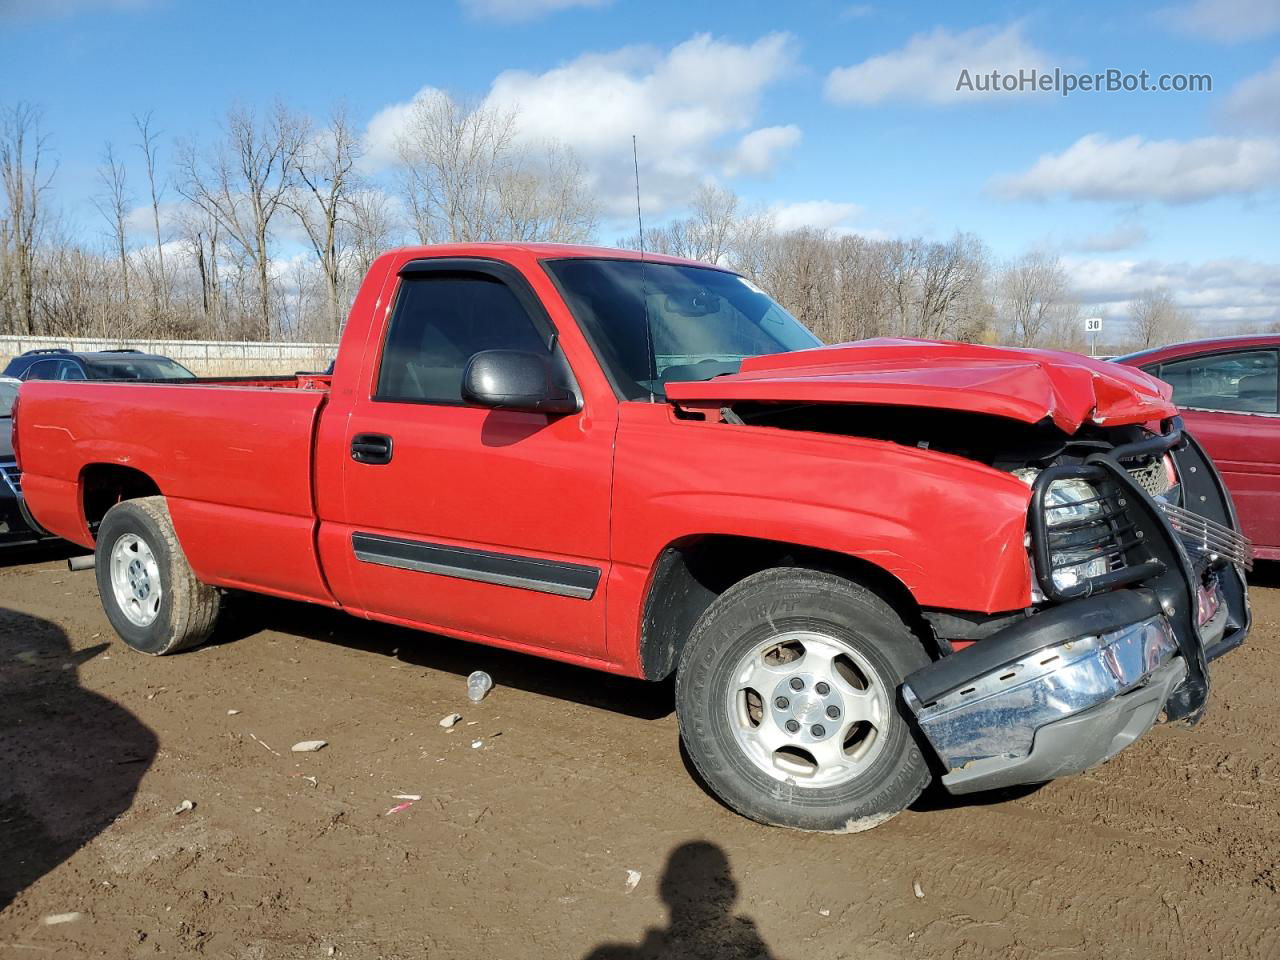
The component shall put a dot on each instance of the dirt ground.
(535, 809)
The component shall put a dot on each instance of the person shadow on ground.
(699, 890)
(70, 759)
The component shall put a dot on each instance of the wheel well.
(692, 573)
(103, 485)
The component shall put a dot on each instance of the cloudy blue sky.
(833, 114)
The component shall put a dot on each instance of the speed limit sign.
(1092, 324)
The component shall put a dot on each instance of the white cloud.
(141, 226)
(1228, 21)
(818, 214)
(1254, 103)
(1222, 295)
(57, 9)
(385, 128)
(927, 69)
(1135, 169)
(1123, 236)
(759, 150)
(517, 11)
(683, 105)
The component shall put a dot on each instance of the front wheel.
(148, 590)
(787, 696)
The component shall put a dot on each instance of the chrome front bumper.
(1057, 710)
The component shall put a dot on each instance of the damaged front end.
(1136, 562)
(1140, 583)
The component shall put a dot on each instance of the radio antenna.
(635, 160)
(644, 281)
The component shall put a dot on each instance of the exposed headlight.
(1075, 554)
(1070, 500)
(1091, 565)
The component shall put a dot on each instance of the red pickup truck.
(867, 565)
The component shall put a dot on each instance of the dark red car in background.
(1227, 389)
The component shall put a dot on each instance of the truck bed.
(233, 457)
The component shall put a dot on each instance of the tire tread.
(193, 605)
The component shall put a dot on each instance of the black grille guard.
(1155, 554)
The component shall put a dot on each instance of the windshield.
(658, 323)
(135, 367)
(8, 394)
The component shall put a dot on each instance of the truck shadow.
(71, 759)
(1265, 573)
(247, 615)
(17, 556)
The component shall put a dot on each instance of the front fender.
(951, 530)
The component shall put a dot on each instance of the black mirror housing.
(515, 380)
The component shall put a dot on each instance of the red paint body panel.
(265, 495)
(1026, 385)
(233, 460)
(1245, 447)
(921, 516)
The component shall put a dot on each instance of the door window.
(1242, 382)
(54, 370)
(440, 322)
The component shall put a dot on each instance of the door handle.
(373, 448)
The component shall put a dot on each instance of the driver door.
(478, 522)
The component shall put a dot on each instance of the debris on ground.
(54, 919)
(264, 743)
(478, 686)
(477, 744)
(917, 889)
(398, 807)
(309, 746)
(406, 796)
(633, 879)
(183, 807)
(824, 912)
(232, 713)
(450, 720)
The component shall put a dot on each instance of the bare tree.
(243, 186)
(465, 178)
(371, 227)
(708, 234)
(450, 154)
(950, 272)
(1157, 319)
(541, 198)
(147, 145)
(713, 222)
(1034, 299)
(113, 204)
(325, 166)
(200, 231)
(24, 170)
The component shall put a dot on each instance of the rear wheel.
(787, 696)
(149, 593)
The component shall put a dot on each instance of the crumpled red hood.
(1021, 384)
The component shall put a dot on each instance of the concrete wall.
(206, 358)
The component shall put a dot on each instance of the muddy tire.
(153, 600)
(788, 699)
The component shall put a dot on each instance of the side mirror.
(515, 380)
